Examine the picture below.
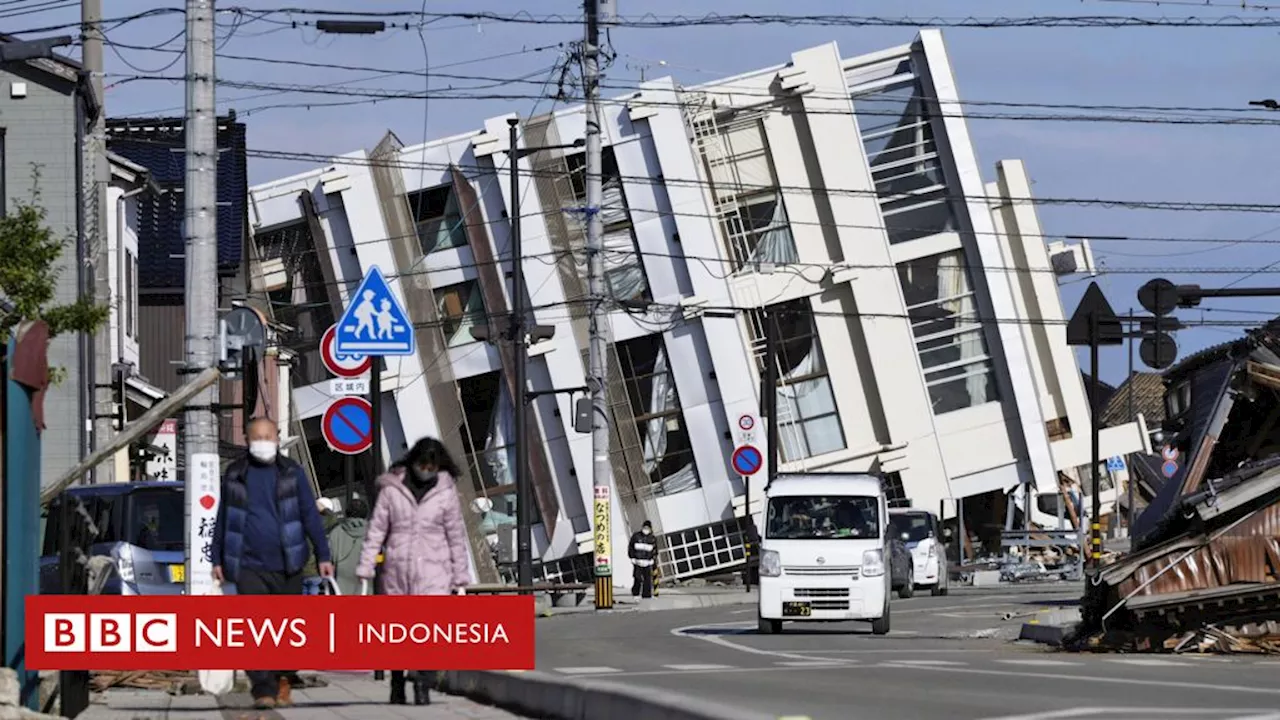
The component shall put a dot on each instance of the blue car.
(141, 526)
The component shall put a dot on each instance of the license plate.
(177, 573)
(796, 609)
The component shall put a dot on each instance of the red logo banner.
(241, 632)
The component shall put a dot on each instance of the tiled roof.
(1148, 399)
(158, 144)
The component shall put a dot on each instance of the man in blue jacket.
(267, 516)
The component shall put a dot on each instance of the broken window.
(438, 219)
(655, 407)
(460, 307)
(950, 338)
(623, 269)
(808, 420)
(897, 134)
(489, 434)
(748, 198)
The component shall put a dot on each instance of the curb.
(539, 695)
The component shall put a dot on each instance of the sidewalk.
(348, 696)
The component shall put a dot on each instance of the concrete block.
(1046, 634)
(986, 578)
(9, 688)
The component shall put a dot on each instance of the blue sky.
(1132, 66)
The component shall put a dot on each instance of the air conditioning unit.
(1068, 259)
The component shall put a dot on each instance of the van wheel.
(768, 627)
(880, 626)
(939, 589)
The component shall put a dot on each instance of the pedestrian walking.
(267, 517)
(417, 522)
(642, 550)
(346, 541)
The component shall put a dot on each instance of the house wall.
(39, 134)
(123, 251)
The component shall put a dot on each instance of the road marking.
(1039, 661)
(697, 667)
(599, 670)
(1102, 680)
(813, 663)
(722, 642)
(1147, 662)
(895, 651)
(1111, 712)
(925, 662)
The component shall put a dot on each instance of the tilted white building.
(919, 320)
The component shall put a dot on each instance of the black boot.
(397, 688)
(421, 688)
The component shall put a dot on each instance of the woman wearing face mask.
(417, 518)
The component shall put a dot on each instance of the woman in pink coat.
(417, 523)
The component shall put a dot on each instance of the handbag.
(332, 585)
(217, 682)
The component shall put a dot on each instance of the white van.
(823, 551)
(920, 532)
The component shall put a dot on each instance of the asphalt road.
(947, 658)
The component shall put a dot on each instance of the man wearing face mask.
(267, 516)
(642, 550)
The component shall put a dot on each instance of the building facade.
(919, 325)
(45, 107)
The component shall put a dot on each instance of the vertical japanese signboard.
(603, 532)
(202, 514)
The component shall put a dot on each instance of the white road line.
(1039, 661)
(1111, 712)
(1102, 680)
(697, 667)
(925, 662)
(892, 651)
(1147, 662)
(1267, 716)
(722, 642)
(599, 670)
(812, 663)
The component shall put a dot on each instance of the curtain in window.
(953, 281)
(622, 269)
(776, 244)
(662, 398)
(499, 447)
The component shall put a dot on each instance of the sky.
(1136, 66)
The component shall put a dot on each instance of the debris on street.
(1204, 574)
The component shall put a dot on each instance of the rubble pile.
(1204, 573)
(170, 681)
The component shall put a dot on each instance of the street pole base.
(604, 592)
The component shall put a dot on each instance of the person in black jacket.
(643, 550)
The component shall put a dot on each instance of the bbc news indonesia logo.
(260, 633)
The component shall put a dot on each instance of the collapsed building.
(1206, 550)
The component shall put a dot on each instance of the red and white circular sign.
(347, 366)
(746, 422)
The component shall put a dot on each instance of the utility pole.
(98, 255)
(200, 429)
(520, 403)
(598, 322)
(1132, 416)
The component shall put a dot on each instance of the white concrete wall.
(122, 249)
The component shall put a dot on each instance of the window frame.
(456, 336)
(457, 235)
(633, 383)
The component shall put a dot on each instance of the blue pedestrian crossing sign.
(1115, 464)
(374, 322)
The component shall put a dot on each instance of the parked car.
(923, 540)
(141, 526)
(901, 566)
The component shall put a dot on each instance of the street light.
(513, 330)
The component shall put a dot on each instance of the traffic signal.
(1158, 349)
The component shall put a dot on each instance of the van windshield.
(916, 526)
(823, 517)
(156, 519)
